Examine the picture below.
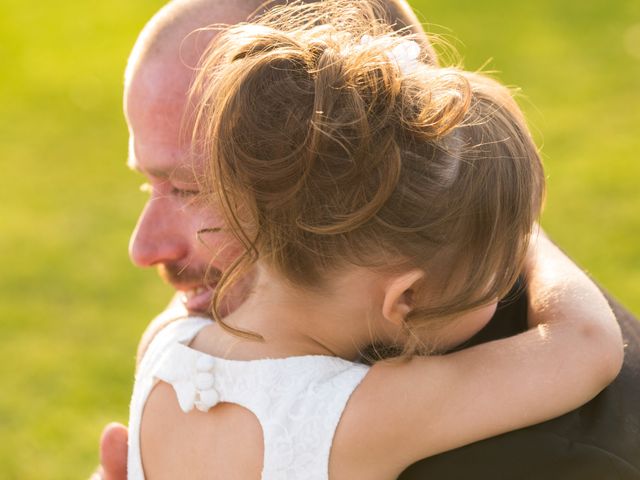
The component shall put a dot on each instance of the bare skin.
(165, 236)
(113, 453)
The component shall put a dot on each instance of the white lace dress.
(297, 400)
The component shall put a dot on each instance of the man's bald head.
(169, 40)
(175, 37)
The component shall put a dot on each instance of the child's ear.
(398, 298)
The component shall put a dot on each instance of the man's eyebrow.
(177, 173)
(148, 171)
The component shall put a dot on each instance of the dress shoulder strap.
(299, 429)
(297, 400)
(180, 330)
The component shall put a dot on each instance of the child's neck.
(296, 321)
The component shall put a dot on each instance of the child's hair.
(331, 142)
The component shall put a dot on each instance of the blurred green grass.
(71, 305)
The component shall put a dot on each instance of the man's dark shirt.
(598, 441)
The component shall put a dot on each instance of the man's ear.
(398, 297)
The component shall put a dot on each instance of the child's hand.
(113, 453)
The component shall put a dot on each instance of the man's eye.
(178, 192)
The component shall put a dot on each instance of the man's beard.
(208, 278)
(187, 275)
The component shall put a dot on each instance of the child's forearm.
(560, 292)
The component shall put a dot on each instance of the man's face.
(166, 235)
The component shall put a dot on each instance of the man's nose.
(159, 236)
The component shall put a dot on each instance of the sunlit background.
(71, 305)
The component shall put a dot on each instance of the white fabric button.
(204, 381)
(208, 398)
(204, 363)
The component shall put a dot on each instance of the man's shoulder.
(528, 454)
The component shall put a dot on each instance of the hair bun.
(438, 104)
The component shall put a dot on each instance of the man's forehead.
(166, 165)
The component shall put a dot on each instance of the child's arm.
(408, 411)
(557, 286)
